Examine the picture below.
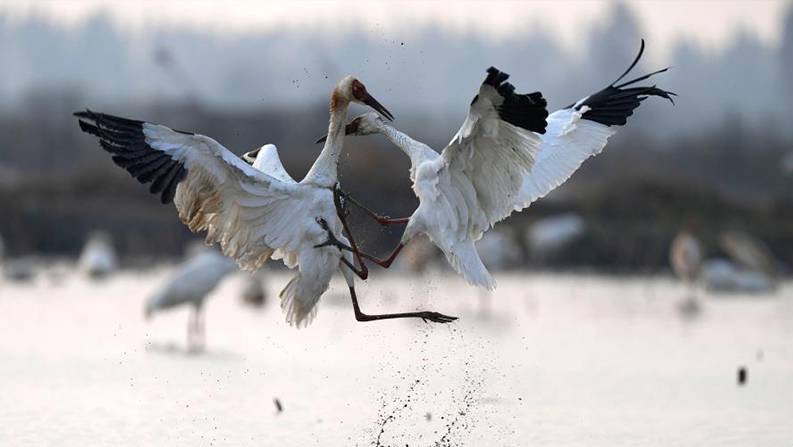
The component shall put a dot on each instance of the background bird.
(191, 284)
(750, 266)
(685, 257)
(98, 257)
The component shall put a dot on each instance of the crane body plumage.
(254, 213)
(507, 154)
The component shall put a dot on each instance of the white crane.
(190, 285)
(98, 257)
(751, 266)
(253, 215)
(685, 256)
(748, 252)
(501, 160)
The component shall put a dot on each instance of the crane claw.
(436, 317)
(332, 240)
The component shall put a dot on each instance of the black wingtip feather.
(124, 139)
(527, 111)
(89, 128)
(614, 104)
(633, 64)
(170, 190)
(495, 77)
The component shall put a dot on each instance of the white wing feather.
(567, 142)
(268, 161)
(249, 213)
(487, 160)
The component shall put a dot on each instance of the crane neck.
(324, 171)
(414, 149)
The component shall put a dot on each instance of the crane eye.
(358, 90)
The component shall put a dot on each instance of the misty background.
(720, 159)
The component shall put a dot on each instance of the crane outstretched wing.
(581, 131)
(268, 161)
(493, 151)
(249, 213)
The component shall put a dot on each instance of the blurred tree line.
(634, 197)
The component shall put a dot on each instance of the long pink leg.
(363, 272)
(386, 262)
(383, 220)
(434, 317)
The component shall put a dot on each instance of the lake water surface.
(548, 359)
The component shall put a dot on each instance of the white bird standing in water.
(685, 256)
(98, 257)
(190, 285)
(253, 215)
(501, 160)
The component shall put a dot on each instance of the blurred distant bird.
(254, 292)
(253, 215)
(549, 235)
(504, 157)
(722, 275)
(685, 256)
(16, 270)
(751, 267)
(98, 258)
(20, 270)
(748, 251)
(191, 284)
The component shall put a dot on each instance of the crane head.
(351, 89)
(364, 124)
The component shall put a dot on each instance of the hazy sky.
(708, 22)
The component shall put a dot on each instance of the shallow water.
(561, 359)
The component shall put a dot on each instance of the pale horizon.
(710, 25)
